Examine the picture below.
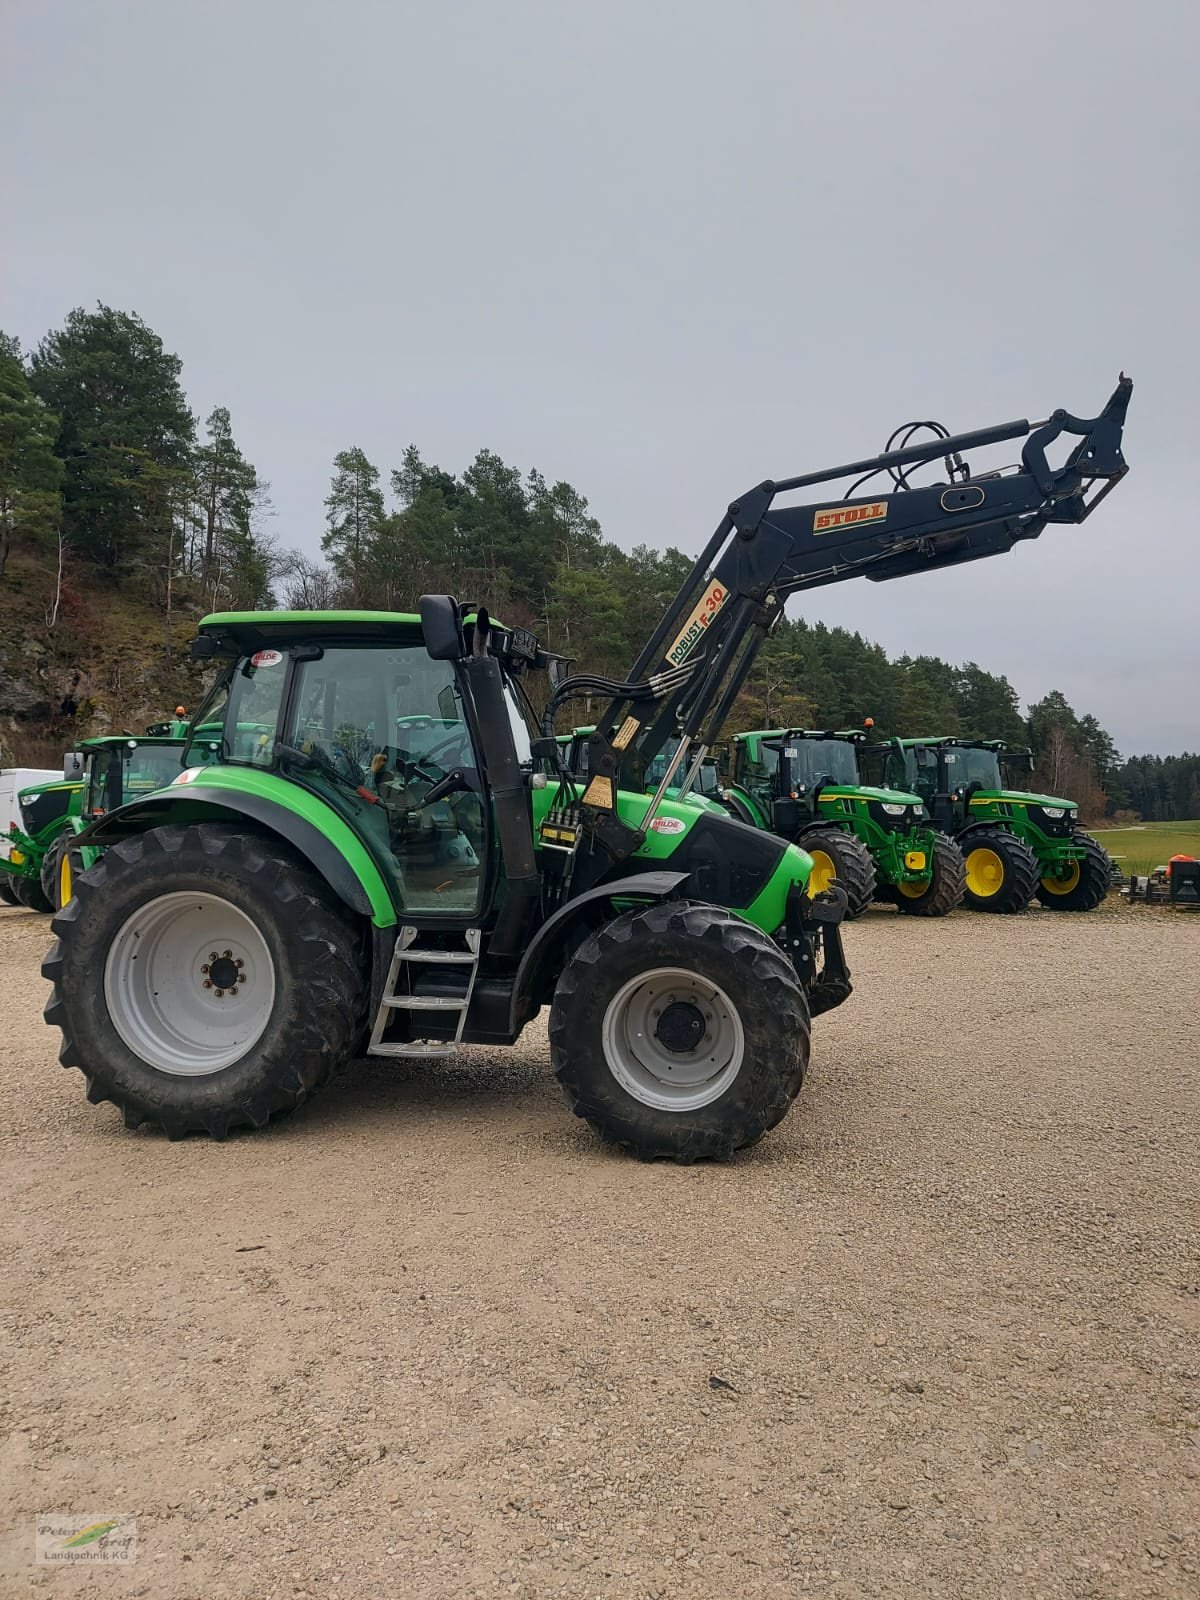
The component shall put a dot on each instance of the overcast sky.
(663, 250)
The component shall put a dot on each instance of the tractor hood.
(887, 797)
(1021, 797)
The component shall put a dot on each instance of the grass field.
(1149, 844)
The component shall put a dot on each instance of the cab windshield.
(965, 765)
(123, 773)
(656, 770)
(706, 779)
(808, 761)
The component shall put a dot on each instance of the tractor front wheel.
(1080, 885)
(841, 857)
(679, 1031)
(30, 894)
(8, 895)
(52, 872)
(1001, 871)
(203, 979)
(944, 891)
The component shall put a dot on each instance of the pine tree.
(125, 434)
(226, 487)
(30, 472)
(355, 514)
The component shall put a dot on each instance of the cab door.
(386, 725)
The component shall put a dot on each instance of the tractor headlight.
(1054, 811)
(893, 810)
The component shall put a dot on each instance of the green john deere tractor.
(1016, 845)
(112, 771)
(99, 776)
(878, 843)
(45, 809)
(302, 899)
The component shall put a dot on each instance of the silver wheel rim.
(672, 1079)
(170, 989)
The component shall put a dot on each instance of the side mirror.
(441, 627)
(73, 766)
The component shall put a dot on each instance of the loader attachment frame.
(695, 663)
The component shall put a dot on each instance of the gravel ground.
(938, 1335)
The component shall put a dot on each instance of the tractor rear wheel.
(840, 857)
(944, 891)
(1001, 871)
(203, 979)
(8, 895)
(1084, 886)
(29, 893)
(680, 1032)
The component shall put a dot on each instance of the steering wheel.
(457, 739)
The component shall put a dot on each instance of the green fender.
(215, 794)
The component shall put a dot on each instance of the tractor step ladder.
(400, 993)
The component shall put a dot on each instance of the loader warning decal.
(625, 733)
(848, 516)
(599, 793)
(707, 606)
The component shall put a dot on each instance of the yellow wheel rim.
(913, 891)
(1063, 885)
(985, 872)
(65, 890)
(823, 872)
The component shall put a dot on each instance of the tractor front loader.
(276, 912)
(877, 843)
(1016, 845)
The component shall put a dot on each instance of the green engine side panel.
(767, 911)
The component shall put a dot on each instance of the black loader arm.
(696, 661)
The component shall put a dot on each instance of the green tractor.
(99, 776)
(878, 843)
(289, 906)
(45, 810)
(1016, 845)
(112, 771)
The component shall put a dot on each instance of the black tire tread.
(50, 869)
(31, 895)
(1021, 871)
(947, 886)
(853, 862)
(324, 1027)
(776, 993)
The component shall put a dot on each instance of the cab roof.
(257, 630)
(999, 745)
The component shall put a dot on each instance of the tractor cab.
(352, 708)
(118, 770)
(799, 776)
(964, 781)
